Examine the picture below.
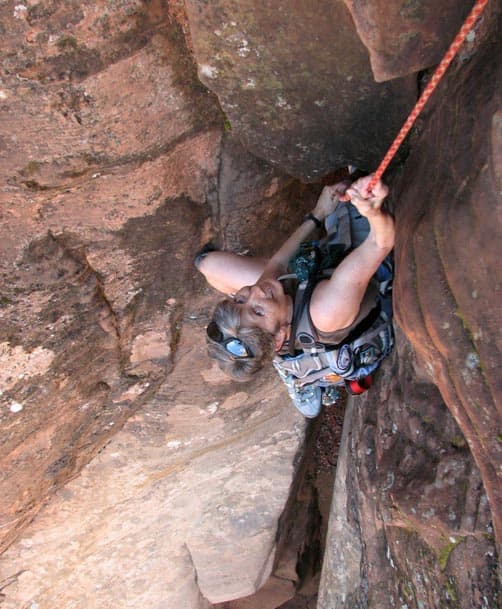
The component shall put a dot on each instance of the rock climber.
(252, 325)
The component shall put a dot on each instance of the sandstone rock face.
(447, 252)
(296, 83)
(116, 166)
(90, 298)
(181, 506)
(110, 183)
(404, 37)
(410, 522)
(416, 520)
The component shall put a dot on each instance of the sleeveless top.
(368, 303)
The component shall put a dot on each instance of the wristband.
(315, 220)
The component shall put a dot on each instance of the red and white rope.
(427, 92)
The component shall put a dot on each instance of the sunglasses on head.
(233, 345)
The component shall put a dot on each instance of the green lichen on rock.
(458, 441)
(450, 589)
(408, 591)
(30, 169)
(447, 549)
(67, 43)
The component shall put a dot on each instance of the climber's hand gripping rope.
(453, 49)
(368, 202)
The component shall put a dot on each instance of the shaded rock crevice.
(302, 527)
(110, 318)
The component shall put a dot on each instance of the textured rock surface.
(89, 210)
(296, 83)
(341, 573)
(410, 522)
(419, 522)
(302, 529)
(115, 167)
(448, 251)
(180, 506)
(404, 37)
(110, 163)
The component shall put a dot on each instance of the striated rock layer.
(416, 517)
(179, 509)
(111, 159)
(449, 231)
(96, 122)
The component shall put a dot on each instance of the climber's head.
(247, 330)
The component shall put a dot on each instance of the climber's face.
(265, 305)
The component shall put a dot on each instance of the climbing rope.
(427, 92)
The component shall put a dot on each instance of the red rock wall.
(115, 168)
(109, 144)
(410, 522)
(449, 231)
(405, 37)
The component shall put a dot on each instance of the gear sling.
(311, 369)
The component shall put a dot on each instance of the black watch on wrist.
(315, 220)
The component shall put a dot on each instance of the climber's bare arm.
(335, 303)
(277, 265)
(228, 272)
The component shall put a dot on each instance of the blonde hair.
(261, 344)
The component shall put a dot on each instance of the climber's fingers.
(365, 200)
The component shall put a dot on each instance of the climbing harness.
(453, 49)
(311, 370)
